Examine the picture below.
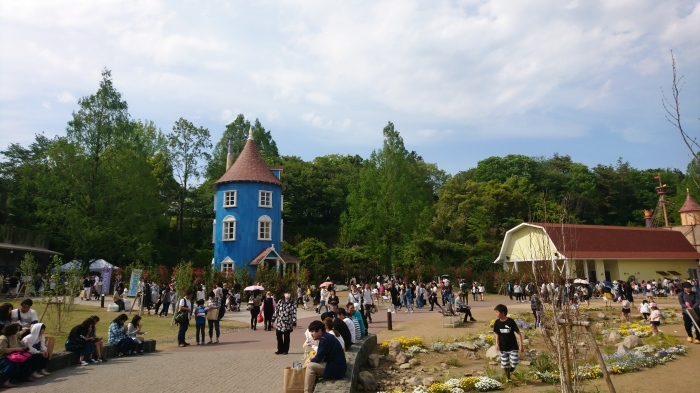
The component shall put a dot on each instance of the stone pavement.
(243, 361)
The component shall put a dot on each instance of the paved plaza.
(244, 361)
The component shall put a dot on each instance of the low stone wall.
(356, 357)
(61, 360)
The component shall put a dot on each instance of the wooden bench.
(452, 320)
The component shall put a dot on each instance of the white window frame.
(228, 265)
(228, 229)
(213, 232)
(265, 196)
(265, 228)
(227, 198)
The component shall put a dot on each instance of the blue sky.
(461, 80)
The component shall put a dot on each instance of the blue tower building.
(248, 226)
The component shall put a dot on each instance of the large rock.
(367, 381)
(414, 381)
(632, 341)
(404, 366)
(390, 358)
(493, 353)
(373, 360)
(414, 362)
(622, 349)
(602, 316)
(401, 358)
(428, 381)
(614, 336)
(394, 348)
(468, 346)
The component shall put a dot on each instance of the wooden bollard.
(388, 319)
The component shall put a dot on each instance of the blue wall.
(246, 246)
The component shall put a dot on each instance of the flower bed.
(635, 328)
(406, 343)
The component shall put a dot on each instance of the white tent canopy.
(96, 265)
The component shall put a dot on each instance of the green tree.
(188, 146)
(389, 203)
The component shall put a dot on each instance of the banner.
(134, 282)
(106, 280)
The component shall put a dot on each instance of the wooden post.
(567, 362)
(601, 361)
(388, 320)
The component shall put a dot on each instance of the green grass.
(454, 362)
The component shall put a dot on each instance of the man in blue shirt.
(329, 360)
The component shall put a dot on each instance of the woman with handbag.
(255, 309)
(268, 309)
(213, 306)
(35, 343)
(9, 346)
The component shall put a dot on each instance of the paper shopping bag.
(294, 380)
(50, 343)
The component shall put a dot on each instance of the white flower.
(453, 383)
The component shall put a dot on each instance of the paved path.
(244, 361)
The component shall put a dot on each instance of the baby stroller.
(233, 303)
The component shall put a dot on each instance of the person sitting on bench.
(329, 361)
(461, 307)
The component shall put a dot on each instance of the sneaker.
(44, 372)
(84, 363)
(99, 360)
(195, 344)
(217, 341)
(209, 342)
(120, 354)
(36, 375)
(690, 339)
(181, 345)
(93, 361)
(103, 359)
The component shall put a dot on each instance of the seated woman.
(5, 314)
(35, 343)
(329, 329)
(77, 342)
(461, 307)
(133, 330)
(92, 336)
(9, 343)
(118, 299)
(117, 336)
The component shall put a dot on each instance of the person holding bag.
(8, 346)
(35, 343)
(213, 316)
(255, 309)
(285, 318)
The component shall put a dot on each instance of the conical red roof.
(249, 167)
(690, 205)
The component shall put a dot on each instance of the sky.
(461, 80)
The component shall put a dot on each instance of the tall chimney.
(648, 218)
(229, 156)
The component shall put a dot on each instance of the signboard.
(106, 280)
(134, 282)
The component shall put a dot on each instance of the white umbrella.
(254, 288)
(581, 281)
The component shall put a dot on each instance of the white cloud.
(66, 98)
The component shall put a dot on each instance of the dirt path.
(678, 375)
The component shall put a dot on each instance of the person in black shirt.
(509, 340)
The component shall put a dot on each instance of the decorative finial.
(250, 133)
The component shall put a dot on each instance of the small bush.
(542, 363)
(454, 362)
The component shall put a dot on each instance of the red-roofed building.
(597, 252)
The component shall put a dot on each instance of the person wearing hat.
(654, 318)
(689, 300)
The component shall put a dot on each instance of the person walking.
(255, 301)
(285, 318)
(213, 306)
(689, 300)
(367, 302)
(268, 309)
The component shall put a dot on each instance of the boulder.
(493, 353)
(414, 362)
(366, 379)
(622, 349)
(468, 346)
(394, 348)
(401, 358)
(390, 358)
(414, 381)
(428, 381)
(632, 341)
(602, 316)
(373, 360)
(404, 366)
(614, 336)
(473, 355)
